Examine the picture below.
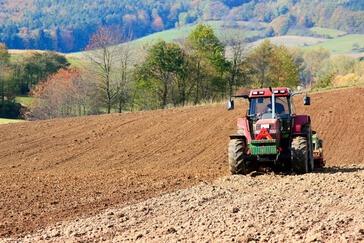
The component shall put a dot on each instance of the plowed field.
(57, 170)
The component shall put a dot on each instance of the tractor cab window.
(261, 108)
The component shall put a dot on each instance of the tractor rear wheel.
(237, 157)
(299, 155)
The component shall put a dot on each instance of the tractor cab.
(264, 107)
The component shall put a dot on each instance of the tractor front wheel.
(237, 157)
(299, 155)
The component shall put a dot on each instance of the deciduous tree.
(66, 93)
(163, 66)
(4, 62)
(208, 54)
(271, 65)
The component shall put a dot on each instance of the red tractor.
(272, 135)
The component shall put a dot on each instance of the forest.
(67, 26)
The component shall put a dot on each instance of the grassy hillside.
(327, 33)
(18, 55)
(241, 29)
(24, 100)
(344, 44)
(292, 40)
(8, 121)
(254, 33)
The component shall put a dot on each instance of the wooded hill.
(67, 26)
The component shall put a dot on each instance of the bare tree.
(237, 54)
(102, 54)
(124, 53)
(112, 65)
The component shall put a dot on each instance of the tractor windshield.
(261, 108)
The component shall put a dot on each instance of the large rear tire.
(237, 157)
(299, 155)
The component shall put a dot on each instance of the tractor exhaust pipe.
(273, 103)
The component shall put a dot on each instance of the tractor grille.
(263, 147)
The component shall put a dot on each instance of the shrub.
(10, 109)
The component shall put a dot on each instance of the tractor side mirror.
(230, 105)
(307, 100)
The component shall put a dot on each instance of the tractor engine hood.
(267, 129)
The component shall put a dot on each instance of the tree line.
(171, 74)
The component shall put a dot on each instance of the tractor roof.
(265, 92)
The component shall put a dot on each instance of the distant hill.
(67, 26)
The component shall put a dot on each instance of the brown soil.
(58, 170)
(318, 207)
